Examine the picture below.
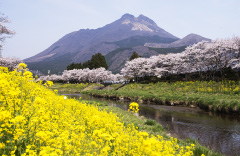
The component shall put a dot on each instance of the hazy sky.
(40, 23)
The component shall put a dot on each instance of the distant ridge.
(187, 40)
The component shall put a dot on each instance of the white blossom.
(11, 63)
(84, 75)
(203, 56)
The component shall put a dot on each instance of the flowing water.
(219, 132)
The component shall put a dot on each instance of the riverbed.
(219, 132)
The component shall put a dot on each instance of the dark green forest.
(97, 61)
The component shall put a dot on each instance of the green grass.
(61, 87)
(150, 122)
(115, 86)
(181, 94)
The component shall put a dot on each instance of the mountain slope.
(141, 40)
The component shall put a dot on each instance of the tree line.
(97, 61)
(91, 71)
(215, 60)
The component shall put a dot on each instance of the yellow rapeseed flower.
(36, 121)
(133, 107)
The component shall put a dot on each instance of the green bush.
(150, 122)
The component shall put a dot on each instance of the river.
(219, 132)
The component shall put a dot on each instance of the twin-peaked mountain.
(116, 41)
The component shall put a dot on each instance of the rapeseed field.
(37, 121)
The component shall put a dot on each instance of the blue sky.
(40, 23)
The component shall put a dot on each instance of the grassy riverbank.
(207, 96)
(70, 87)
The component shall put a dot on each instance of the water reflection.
(220, 132)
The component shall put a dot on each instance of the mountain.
(187, 40)
(78, 46)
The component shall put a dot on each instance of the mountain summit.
(79, 46)
(145, 25)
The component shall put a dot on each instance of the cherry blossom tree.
(84, 75)
(214, 56)
(4, 31)
(11, 63)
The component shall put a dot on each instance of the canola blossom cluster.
(36, 121)
(133, 107)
